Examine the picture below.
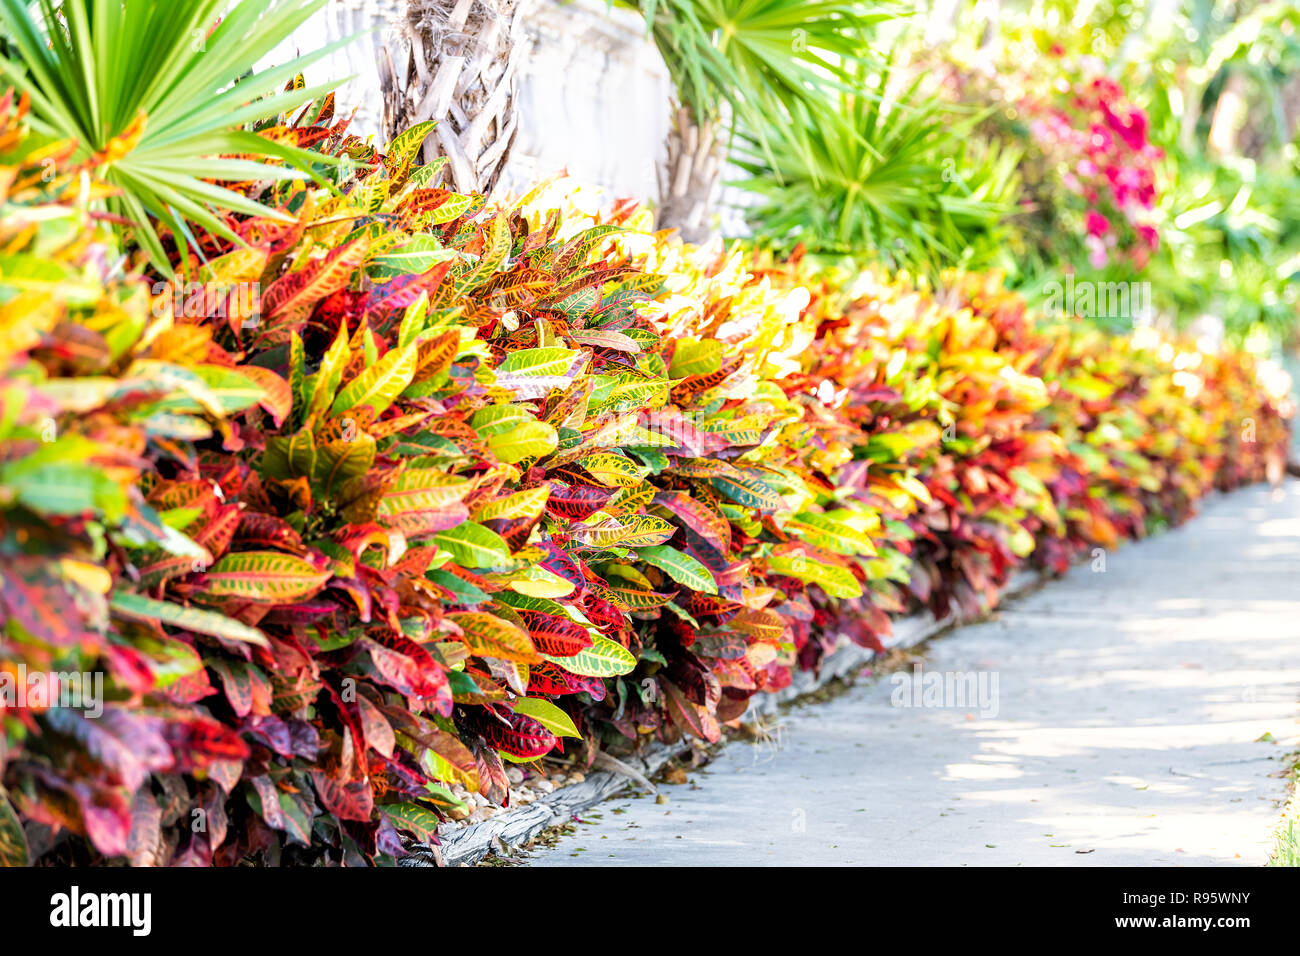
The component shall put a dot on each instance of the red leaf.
(198, 741)
(350, 800)
(409, 669)
(492, 782)
(277, 398)
(555, 635)
(577, 502)
(516, 734)
(289, 299)
(401, 292)
(690, 718)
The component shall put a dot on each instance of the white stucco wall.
(594, 98)
(594, 95)
(368, 22)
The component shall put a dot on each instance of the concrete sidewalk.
(1117, 721)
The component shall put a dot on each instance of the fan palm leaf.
(889, 173)
(157, 95)
(759, 55)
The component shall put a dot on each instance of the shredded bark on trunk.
(456, 62)
(688, 185)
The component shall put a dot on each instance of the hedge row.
(465, 484)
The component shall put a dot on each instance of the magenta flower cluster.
(1101, 143)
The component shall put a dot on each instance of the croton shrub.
(468, 484)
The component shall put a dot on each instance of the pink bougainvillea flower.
(1141, 256)
(1100, 139)
(1097, 257)
(1132, 128)
(1097, 224)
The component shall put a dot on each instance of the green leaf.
(474, 546)
(548, 715)
(747, 491)
(1089, 387)
(234, 392)
(414, 819)
(417, 255)
(835, 581)
(464, 592)
(326, 379)
(522, 504)
(442, 798)
(637, 531)
(263, 577)
(297, 373)
(413, 320)
(603, 659)
(547, 361)
(137, 607)
(423, 489)
(423, 177)
(695, 357)
(495, 251)
(297, 823)
(13, 841)
(679, 566)
(823, 531)
(404, 145)
(380, 384)
(495, 419)
(633, 394)
(453, 208)
(169, 660)
(1021, 541)
(63, 488)
(579, 304)
(340, 460)
(288, 456)
(525, 440)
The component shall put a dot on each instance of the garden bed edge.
(466, 845)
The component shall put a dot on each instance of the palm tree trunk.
(689, 183)
(940, 25)
(1229, 112)
(458, 63)
(1290, 97)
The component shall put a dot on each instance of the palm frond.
(760, 56)
(155, 93)
(889, 173)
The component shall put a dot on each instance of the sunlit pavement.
(1143, 716)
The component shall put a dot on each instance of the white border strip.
(465, 845)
